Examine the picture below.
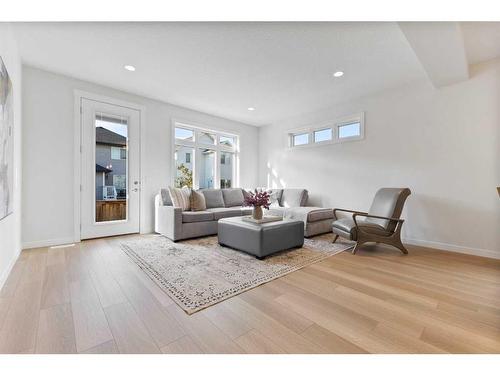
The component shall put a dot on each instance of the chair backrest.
(388, 202)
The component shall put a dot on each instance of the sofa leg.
(335, 238)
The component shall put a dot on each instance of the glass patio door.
(110, 170)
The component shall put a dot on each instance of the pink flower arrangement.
(258, 198)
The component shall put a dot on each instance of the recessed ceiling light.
(251, 108)
(130, 68)
(338, 74)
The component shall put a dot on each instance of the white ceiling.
(281, 69)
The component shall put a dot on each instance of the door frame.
(77, 146)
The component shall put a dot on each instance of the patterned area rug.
(199, 273)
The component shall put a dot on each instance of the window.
(204, 158)
(226, 169)
(300, 139)
(111, 139)
(323, 135)
(350, 130)
(207, 169)
(183, 170)
(225, 158)
(184, 134)
(343, 130)
(119, 181)
(226, 141)
(118, 153)
(207, 138)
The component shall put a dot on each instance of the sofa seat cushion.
(275, 211)
(222, 212)
(232, 197)
(318, 214)
(246, 210)
(347, 225)
(197, 216)
(308, 214)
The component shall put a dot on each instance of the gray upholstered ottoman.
(260, 240)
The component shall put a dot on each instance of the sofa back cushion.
(180, 197)
(165, 197)
(198, 202)
(213, 198)
(294, 198)
(233, 197)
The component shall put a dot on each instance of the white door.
(110, 169)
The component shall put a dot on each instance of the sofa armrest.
(168, 221)
(158, 200)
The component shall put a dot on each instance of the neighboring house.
(184, 156)
(111, 162)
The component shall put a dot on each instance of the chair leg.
(356, 247)
(400, 246)
(335, 238)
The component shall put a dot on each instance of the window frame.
(197, 146)
(334, 125)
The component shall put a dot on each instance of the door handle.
(135, 189)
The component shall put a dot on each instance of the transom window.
(300, 139)
(203, 158)
(346, 129)
(350, 130)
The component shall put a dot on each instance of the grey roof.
(103, 135)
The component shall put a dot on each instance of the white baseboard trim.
(45, 243)
(454, 248)
(6, 272)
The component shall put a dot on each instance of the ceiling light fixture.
(130, 68)
(338, 74)
(251, 108)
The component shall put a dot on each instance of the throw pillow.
(198, 201)
(274, 197)
(180, 197)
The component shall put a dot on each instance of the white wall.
(10, 227)
(444, 144)
(48, 105)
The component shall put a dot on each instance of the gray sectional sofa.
(177, 224)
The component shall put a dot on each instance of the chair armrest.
(376, 217)
(398, 225)
(344, 210)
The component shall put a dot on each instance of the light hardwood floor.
(91, 298)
